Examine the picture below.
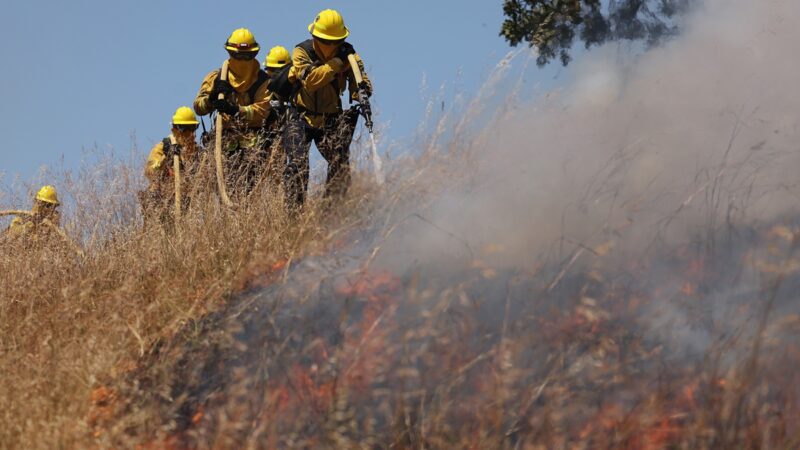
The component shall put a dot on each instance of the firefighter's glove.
(345, 50)
(171, 151)
(225, 107)
(220, 87)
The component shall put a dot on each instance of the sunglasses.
(243, 56)
(328, 41)
(185, 127)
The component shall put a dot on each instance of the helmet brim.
(330, 37)
(231, 48)
(51, 202)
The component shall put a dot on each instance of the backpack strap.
(262, 78)
(308, 47)
(167, 143)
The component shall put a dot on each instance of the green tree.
(552, 25)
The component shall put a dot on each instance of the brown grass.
(70, 324)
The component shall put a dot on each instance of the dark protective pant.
(333, 142)
(158, 208)
(245, 158)
(243, 171)
(274, 159)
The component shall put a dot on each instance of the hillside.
(612, 264)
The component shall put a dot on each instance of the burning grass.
(499, 359)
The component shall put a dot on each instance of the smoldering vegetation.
(613, 265)
(340, 357)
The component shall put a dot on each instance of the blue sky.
(82, 73)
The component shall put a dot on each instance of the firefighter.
(158, 201)
(33, 227)
(321, 71)
(277, 58)
(244, 106)
(276, 65)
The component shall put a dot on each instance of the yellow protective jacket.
(252, 94)
(30, 228)
(322, 82)
(19, 227)
(158, 168)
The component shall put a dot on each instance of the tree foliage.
(552, 25)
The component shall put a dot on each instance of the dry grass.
(68, 325)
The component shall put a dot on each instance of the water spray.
(365, 109)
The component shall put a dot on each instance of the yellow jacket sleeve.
(154, 168)
(314, 77)
(16, 223)
(202, 104)
(254, 111)
(19, 226)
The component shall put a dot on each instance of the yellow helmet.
(48, 194)
(278, 57)
(329, 25)
(242, 40)
(184, 116)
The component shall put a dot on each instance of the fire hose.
(365, 109)
(223, 194)
(176, 169)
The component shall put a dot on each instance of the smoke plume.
(688, 138)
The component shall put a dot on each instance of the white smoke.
(696, 135)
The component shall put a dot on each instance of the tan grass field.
(70, 324)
